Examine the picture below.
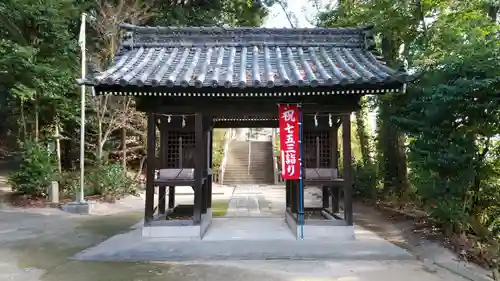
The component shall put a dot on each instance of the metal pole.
(82, 42)
(58, 148)
(301, 180)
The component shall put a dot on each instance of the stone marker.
(54, 192)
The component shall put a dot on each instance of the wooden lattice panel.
(316, 144)
(176, 141)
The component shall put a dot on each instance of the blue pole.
(301, 181)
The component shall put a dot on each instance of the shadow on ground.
(41, 245)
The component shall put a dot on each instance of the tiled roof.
(244, 58)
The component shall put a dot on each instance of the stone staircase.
(261, 163)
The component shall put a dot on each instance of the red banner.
(289, 141)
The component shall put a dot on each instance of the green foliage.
(231, 12)
(366, 180)
(109, 181)
(37, 170)
(218, 148)
(450, 115)
(451, 213)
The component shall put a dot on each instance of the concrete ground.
(224, 229)
(37, 244)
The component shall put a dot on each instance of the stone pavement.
(257, 201)
(132, 246)
(254, 229)
(248, 229)
(255, 213)
(253, 200)
(245, 201)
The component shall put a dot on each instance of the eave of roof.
(183, 58)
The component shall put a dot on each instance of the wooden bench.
(322, 177)
(177, 177)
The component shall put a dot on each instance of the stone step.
(245, 170)
(244, 175)
(245, 166)
(247, 177)
(261, 163)
(261, 154)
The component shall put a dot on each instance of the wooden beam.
(238, 107)
(323, 122)
(291, 92)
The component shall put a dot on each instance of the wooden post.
(163, 164)
(294, 197)
(198, 169)
(318, 162)
(210, 160)
(347, 169)
(204, 185)
(287, 194)
(335, 191)
(150, 169)
(181, 154)
(325, 196)
(298, 198)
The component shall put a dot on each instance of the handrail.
(222, 168)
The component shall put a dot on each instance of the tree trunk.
(391, 142)
(362, 134)
(493, 12)
(23, 122)
(99, 141)
(124, 139)
(124, 149)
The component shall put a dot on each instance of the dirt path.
(403, 233)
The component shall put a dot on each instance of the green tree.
(38, 68)
(450, 113)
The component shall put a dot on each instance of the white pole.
(82, 42)
(58, 148)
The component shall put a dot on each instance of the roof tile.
(244, 58)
